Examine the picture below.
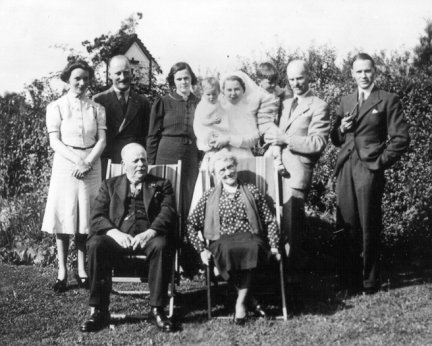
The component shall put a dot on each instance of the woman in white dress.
(243, 132)
(76, 127)
(235, 103)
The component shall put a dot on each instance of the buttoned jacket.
(122, 128)
(380, 132)
(109, 209)
(307, 128)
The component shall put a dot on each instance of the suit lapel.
(352, 104)
(121, 193)
(373, 99)
(121, 190)
(149, 190)
(113, 104)
(283, 123)
(131, 112)
(302, 107)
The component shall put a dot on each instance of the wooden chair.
(259, 171)
(173, 174)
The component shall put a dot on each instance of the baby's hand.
(219, 141)
(212, 138)
(217, 120)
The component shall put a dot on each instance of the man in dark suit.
(373, 134)
(133, 212)
(127, 113)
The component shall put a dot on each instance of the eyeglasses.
(223, 170)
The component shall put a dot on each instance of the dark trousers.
(104, 166)
(359, 219)
(293, 225)
(103, 252)
(172, 149)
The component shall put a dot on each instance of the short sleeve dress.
(69, 202)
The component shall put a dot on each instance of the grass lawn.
(31, 313)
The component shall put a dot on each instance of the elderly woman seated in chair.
(239, 230)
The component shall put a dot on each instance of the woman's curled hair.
(73, 64)
(180, 66)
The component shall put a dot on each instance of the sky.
(208, 34)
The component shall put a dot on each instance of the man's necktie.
(361, 99)
(294, 105)
(123, 102)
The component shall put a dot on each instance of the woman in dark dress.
(240, 230)
(171, 136)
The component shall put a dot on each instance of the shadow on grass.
(404, 275)
(319, 293)
(316, 295)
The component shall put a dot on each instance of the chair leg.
(282, 280)
(173, 287)
(208, 279)
(171, 307)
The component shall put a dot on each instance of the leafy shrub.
(25, 160)
(24, 146)
(408, 192)
(21, 240)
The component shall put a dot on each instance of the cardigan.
(195, 222)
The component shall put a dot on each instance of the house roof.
(134, 39)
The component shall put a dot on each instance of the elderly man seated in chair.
(239, 229)
(133, 212)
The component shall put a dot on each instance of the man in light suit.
(127, 113)
(133, 212)
(304, 127)
(372, 133)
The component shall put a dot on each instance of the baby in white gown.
(210, 120)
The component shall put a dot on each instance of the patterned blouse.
(233, 217)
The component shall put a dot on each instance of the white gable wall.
(143, 65)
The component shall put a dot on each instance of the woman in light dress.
(236, 108)
(235, 104)
(76, 128)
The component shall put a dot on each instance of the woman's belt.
(183, 139)
(80, 148)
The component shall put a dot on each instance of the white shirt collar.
(366, 92)
(301, 97)
(135, 189)
(74, 97)
(118, 92)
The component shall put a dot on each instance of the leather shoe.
(240, 321)
(59, 286)
(259, 311)
(256, 308)
(82, 282)
(160, 319)
(98, 320)
(371, 290)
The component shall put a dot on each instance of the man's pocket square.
(374, 111)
